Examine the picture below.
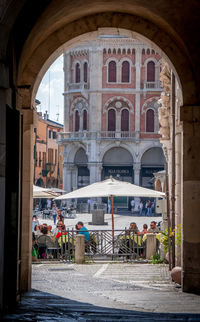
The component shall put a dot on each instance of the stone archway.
(127, 24)
(49, 26)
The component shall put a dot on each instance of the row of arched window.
(84, 72)
(125, 72)
(128, 51)
(112, 120)
(112, 72)
(77, 121)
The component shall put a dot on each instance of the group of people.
(54, 236)
(153, 228)
(145, 209)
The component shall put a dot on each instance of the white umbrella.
(57, 190)
(112, 188)
(40, 192)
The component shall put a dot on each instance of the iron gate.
(124, 244)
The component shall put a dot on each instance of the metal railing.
(103, 244)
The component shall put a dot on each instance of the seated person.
(37, 231)
(82, 230)
(133, 227)
(41, 244)
(145, 229)
(58, 228)
(153, 228)
(50, 231)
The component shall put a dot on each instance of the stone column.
(2, 187)
(99, 171)
(27, 199)
(66, 112)
(93, 172)
(137, 168)
(150, 245)
(137, 85)
(74, 172)
(190, 117)
(95, 99)
(67, 182)
(80, 249)
(178, 195)
(67, 80)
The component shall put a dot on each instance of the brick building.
(47, 153)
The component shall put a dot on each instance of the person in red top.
(61, 228)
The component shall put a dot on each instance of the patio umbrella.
(40, 192)
(57, 190)
(112, 188)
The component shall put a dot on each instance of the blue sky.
(53, 83)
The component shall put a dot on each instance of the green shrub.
(156, 259)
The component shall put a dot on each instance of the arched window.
(77, 121)
(112, 71)
(84, 120)
(85, 70)
(77, 74)
(151, 71)
(125, 72)
(125, 120)
(111, 120)
(150, 120)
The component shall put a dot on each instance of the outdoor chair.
(47, 248)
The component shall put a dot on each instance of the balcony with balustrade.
(66, 137)
(77, 87)
(155, 86)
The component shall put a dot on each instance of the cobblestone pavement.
(105, 292)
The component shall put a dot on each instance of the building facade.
(112, 88)
(47, 153)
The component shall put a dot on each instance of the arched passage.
(83, 173)
(152, 161)
(118, 163)
(166, 43)
(49, 26)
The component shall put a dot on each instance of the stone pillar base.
(80, 249)
(98, 217)
(150, 245)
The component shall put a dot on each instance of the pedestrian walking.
(132, 206)
(54, 213)
(141, 206)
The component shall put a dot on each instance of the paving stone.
(105, 292)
